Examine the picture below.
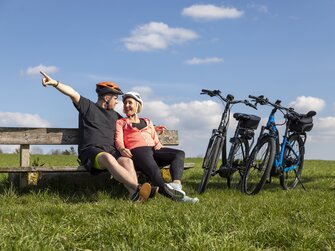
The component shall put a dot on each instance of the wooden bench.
(25, 137)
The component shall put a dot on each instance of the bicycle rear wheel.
(238, 163)
(259, 165)
(293, 157)
(210, 161)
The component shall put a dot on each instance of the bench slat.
(60, 169)
(59, 136)
(53, 169)
(43, 169)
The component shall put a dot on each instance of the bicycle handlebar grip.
(253, 97)
(311, 113)
(205, 91)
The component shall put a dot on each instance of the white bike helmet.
(135, 96)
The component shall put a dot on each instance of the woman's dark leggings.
(149, 161)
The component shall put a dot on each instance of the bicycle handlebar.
(229, 98)
(210, 93)
(264, 101)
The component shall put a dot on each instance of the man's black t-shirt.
(96, 125)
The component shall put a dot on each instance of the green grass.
(85, 218)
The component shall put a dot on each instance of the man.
(97, 129)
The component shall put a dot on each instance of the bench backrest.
(26, 136)
(59, 136)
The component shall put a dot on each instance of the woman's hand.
(125, 152)
(160, 129)
(158, 146)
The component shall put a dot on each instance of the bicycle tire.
(289, 179)
(210, 161)
(238, 163)
(259, 165)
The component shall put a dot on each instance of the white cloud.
(190, 118)
(36, 70)
(263, 9)
(325, 126)
(211, 12)
(304, 104)
(195, 60)
(144, 91)
(323, 130)
(260, 8)
(15, 119)
(157, 36)
(22, 119)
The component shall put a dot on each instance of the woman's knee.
(180, 154)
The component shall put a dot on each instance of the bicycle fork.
(293, 166)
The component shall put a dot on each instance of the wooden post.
(24, 155)
(24, 162)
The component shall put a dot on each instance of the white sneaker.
(187, 199)
(176, 186)
(174, 190)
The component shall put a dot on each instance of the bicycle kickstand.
(296, 174)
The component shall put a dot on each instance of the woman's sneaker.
(174, 190)
(187, 199)
(176, 186)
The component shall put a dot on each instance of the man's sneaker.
(187, 199)
(154, 192)
(170, 189)
(142, 193)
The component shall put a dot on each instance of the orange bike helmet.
(108, 87)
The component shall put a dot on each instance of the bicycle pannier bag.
(251, 123)
(302, 125)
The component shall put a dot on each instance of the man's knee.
(125, 161)
(103, 160)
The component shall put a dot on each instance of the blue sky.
(168, 51)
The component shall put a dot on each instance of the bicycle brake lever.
(253, 106)
(250, 104)
(278, 102)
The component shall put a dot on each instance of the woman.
(137, 138)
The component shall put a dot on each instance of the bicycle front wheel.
(238, 163)
(259, 166)
(210, 161)
(293, 162)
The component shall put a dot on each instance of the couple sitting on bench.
(108, 141)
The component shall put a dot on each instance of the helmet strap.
(107, 103)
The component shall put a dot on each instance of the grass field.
(89, 218)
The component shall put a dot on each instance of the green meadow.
(67, 216)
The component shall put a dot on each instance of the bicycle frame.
(284, 157)
(280, 148)
(279, 158)
(223, 129)
(218, 140)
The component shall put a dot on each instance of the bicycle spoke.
(238, 163)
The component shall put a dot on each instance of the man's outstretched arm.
(63, 88)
